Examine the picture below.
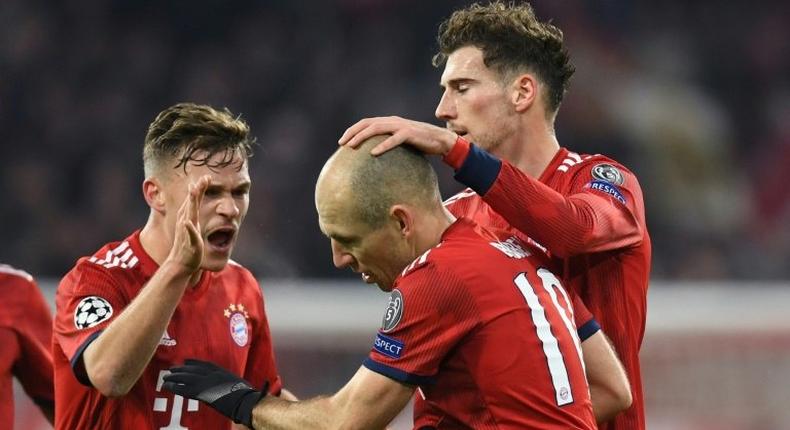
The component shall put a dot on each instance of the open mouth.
(367, 278)
(222, 238)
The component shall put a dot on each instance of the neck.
(433, 227)
(156, 241)
(532, 148)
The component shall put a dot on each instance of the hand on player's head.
(425, 137)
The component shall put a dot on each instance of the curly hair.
(513, 40)
(190, 133)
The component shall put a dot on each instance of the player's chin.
(215, 261)
(385, 286)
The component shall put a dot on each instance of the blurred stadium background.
(693, 96)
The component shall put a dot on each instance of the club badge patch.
(608, 173)
(393, 313)
(91, 311)
(239, 329)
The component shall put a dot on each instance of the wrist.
(456, 156)
(173, 271)
(243, 412)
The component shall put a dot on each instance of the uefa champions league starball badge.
(239, 330)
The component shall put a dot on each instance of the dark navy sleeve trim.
(77, 366)
(397, 374)
(479, 171)
(588, 329)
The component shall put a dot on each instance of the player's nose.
(341, 258)
(445, 110)
(228, 207)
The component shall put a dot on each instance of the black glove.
(227, 393)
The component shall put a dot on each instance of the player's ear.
(405, 219)
(524, 92)
(154, 195)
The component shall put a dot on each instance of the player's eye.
(212, 192)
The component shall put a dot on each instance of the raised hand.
(229, 394)
(187, 249)
(425, 137)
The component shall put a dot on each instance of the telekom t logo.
(160, 405)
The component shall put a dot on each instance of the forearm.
(610, 390)
(566, 225)
(278, 414)
(606, 403)
(117, 358)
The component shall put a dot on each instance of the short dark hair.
(192, 133)
(512, 39)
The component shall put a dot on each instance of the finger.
(196, 362)
(353, 130)
(387, 144)
(184, 378)
(373, 129)
(197, 190)
(176, 388)
(193, 232)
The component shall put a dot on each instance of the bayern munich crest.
(239, 329)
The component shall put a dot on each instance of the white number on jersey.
(557, 369)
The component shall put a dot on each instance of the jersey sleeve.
(596, 216)
(429, 312)
(261, 367)
(586, 325)
(87, 301)
(34, 369)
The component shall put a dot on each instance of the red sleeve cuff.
(456, 157)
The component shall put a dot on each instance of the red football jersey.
(221, 319)
(488, 335)
(588, 212)
(25, 336)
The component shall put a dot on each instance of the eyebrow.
(456, 82)
(218, 187)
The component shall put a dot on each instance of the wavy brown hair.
(513, 41)
(191, 133)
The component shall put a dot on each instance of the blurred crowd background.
(693, 96)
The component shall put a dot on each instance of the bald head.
(369, 186)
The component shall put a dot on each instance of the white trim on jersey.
(114, 258)
(571, 160)
(462, 195)
(9, 270)
(419, 260)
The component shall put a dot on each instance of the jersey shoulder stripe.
(121, 256)
(571, 160)
(10, 270)
(462, 195)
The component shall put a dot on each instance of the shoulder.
(237, 276)
(12, 274)
(114, 264)
(15, 284)
(235, 271)
(598, 167)
(598, 173)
